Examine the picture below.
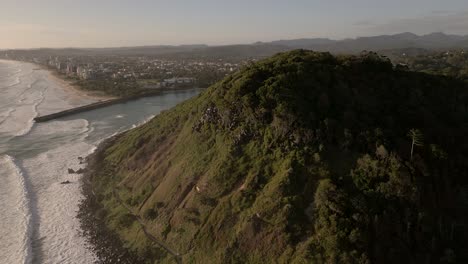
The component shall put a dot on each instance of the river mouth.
(35, 158)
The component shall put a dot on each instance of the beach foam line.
(8, 114)
(21, 253)
(57, 231)
(30, 123)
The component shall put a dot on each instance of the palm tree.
(416, 139)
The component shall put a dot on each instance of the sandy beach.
(72, 88)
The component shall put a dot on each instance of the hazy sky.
(98, 23)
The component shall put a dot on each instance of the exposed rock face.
(210, 116)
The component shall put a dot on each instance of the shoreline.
(105, 243)
(52, 229)
(69, 87)
(74, 88)
(93, 96)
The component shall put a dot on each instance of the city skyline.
(54, 24)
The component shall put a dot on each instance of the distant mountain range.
(407, 41)
(433, 41)
(376, 43)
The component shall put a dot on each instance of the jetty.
(96, 105)
(79, 109)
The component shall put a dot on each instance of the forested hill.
(301, 158)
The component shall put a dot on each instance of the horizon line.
(233, 44)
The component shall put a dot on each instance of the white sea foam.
(57, 204)
(141, 123)
(146, 120)
(6, 114)
(49, 220)
(11, 83)
(72, 130)
(35, 208)
(20, 121)
(15, 216)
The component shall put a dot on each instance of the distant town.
(127, 75)
(128, 71)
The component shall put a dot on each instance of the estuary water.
(38, 221)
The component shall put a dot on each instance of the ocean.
(38, 221)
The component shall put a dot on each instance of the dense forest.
(301, 158)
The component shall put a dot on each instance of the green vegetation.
(450, 63)
(118, 88)
(300, 158)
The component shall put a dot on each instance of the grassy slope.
(230, 176)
